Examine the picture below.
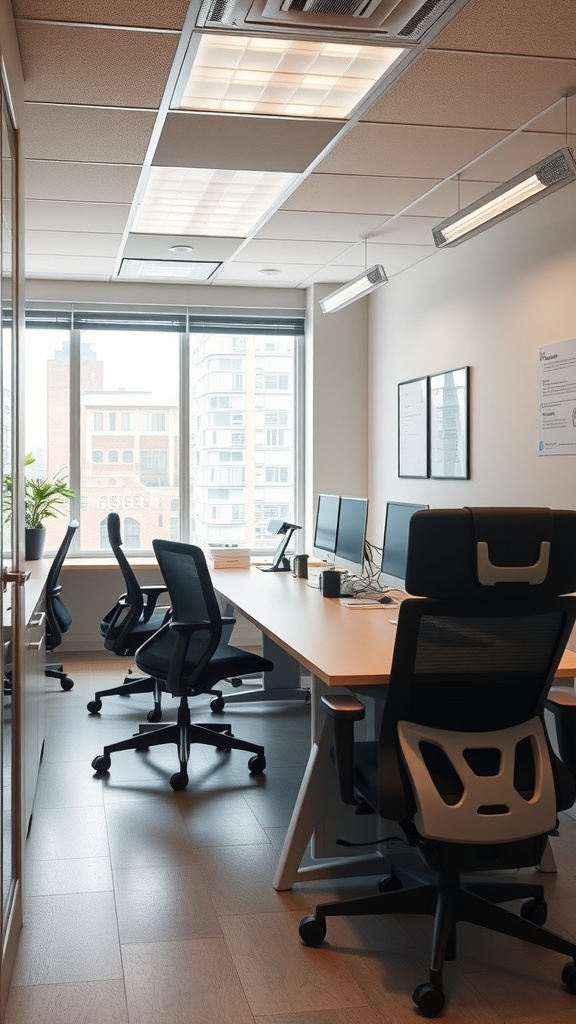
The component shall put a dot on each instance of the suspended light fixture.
(546, 176)
(357, 288)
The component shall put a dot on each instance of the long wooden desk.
(341, 647)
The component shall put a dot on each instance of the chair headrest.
(496, 554)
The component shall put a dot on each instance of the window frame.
(77, 318)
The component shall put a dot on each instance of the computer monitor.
(326, 527)
(395, 543)
(351, 534)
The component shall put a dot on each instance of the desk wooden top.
(342, 646)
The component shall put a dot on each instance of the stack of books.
(228, 558)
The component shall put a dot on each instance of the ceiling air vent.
(391, 22)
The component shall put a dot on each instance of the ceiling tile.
(328, 227)
(144, 13)
(514, 156)
(72, 243)
(94, 66)
(394, 258)
(407, 230)
(92, 268)
(99, 217)
(247, 143)
(357, 194)
(475, 90)
(248, 273)
(96, 183)
(401, 150)
(516, 26)
(78, 134)
(140, 246)
(281, 250)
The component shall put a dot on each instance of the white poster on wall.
(557, 392)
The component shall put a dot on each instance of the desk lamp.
(280, 563)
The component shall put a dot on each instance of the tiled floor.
(145, 906)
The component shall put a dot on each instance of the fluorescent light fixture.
(357, 288)
(167, 270)
(546, 176)
(283, 77)
(205, 201)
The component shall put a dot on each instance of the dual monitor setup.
(340, 535)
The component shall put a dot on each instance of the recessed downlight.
(269, 271)
(181, 249)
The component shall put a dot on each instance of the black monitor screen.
(352, 533)
(395, 543)
(327, 522)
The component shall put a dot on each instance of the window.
(104, 542)
(154, 467)
(155, 421)
(121, 435)
(131, 533)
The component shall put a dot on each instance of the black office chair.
(131, 622)
(58, 617)
(187, 657)
(463, 761)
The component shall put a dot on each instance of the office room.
(139, 903)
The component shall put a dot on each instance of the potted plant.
(42, 498)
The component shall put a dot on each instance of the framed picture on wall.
(413, 427)
(449, 417)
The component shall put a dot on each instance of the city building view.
(128, 434)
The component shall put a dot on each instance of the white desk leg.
(305, 818)
(548, 863)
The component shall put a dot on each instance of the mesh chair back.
(118, 624)
(476, 663)
(181, 650)
(58, 617)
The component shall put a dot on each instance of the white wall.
(489, 303)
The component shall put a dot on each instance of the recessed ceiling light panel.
(283, 77)
(167, 270)
(203, 201)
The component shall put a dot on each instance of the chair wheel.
(429, 1000)
(535, 910)
(101, 764)
(236, 683)
(94, 706)
(217, 704)
(389, 884)
(179, 781)
(256, 764)
(66, 683)
(312, 930)
(569, 977)
(154, 716)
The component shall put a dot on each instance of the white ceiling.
(99, 77)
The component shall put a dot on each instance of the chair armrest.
(151, 594)
(228, 620)
(344, 711)
(187, 628)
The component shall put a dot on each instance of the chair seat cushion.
(225, 662)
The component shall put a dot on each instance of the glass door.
(11, 590)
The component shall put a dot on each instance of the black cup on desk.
(330, 583)
(300, 567)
